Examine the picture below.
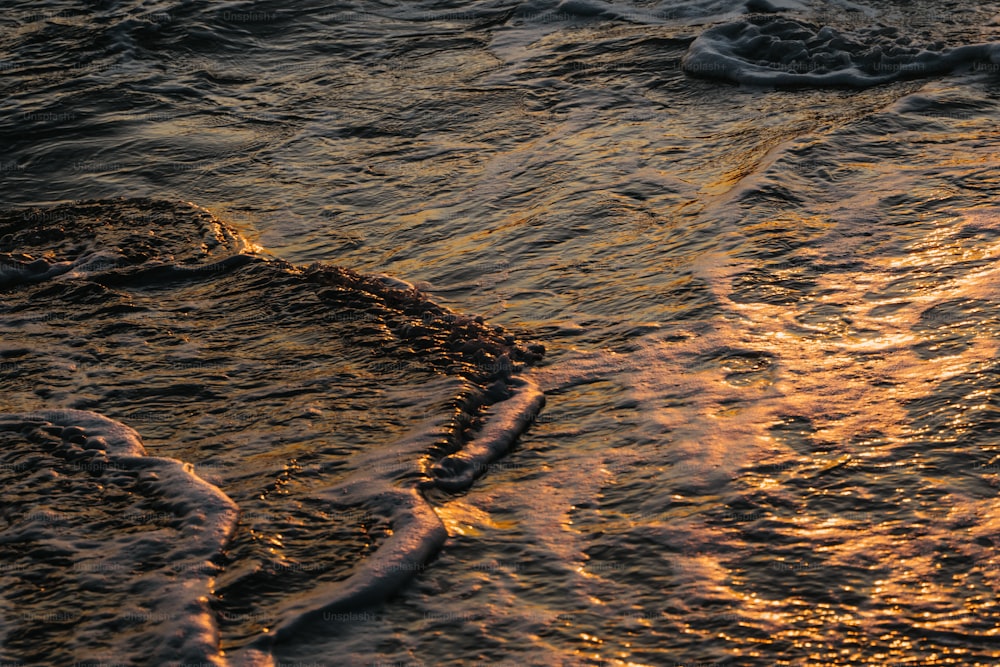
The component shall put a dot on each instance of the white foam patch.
(784, 52)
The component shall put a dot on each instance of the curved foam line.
(121, 439)
(418, 535)
(213, 517)
(124, 445)
(508, 421)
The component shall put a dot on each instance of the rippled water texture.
(317, 400)
(764, 273)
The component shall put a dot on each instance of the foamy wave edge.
(788, 53)
(208, 520)
(418, 532)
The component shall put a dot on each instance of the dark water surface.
(757, 241)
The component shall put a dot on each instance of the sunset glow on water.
(500, 333)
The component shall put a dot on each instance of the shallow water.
(769, 316)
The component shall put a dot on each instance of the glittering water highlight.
(756, 242)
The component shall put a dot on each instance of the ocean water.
(500, 333)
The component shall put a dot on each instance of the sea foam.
(784, 52)
(124, 542)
